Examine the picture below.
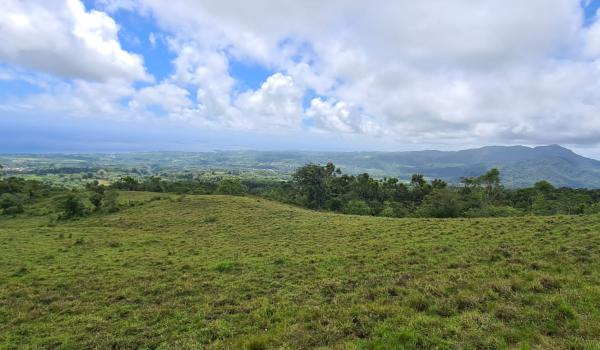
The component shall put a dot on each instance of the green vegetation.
(145, 261)
(520, 166)
(233, 187)
(223, 272)
(326, 188)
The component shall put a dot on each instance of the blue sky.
(124, 75)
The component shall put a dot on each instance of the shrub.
(593, 209)
(357, 207)
(109, 203)
(394, 210)
(441, 204)
(96, 199)
(233, 187)
(17, 209)
(492, 211)
(72, 207)
(11, 204)
(334, 204)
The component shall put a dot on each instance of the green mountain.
(520, 166)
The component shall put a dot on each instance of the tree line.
(326, 188)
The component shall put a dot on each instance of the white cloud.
(416, 70)
(339, 117)
(79, 99)
(169, 97)
(592, 39)
(62, 38)
(277, 104)
(455, 72)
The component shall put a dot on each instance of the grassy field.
(220, 272)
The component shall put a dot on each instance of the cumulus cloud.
(62, 38)
(455, 72)
(329, 115)
(171, 98)
(207, 71)
(277, 104)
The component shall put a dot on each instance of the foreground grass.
(222, 272)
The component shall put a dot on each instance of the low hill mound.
(221, 272)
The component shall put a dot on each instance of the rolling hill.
(219, 272)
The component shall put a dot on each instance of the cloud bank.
(409, 72)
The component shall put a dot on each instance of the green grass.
(221, 272)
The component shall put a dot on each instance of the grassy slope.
(224, 272)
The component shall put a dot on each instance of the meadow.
(223, 272)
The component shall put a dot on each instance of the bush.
(17, 209)
(96, 199)
(232, 187)
(11, 204)
(357, 207)
(492, 211)
(110, 203)
(72, 207)
(394, 210)
(441, 204)
(593, 209)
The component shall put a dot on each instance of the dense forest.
(326, 188)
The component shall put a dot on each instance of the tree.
(314, 182)
(232, 187)
(593, 209)
(469, 183)
(491, 183)
(96, 199)
(419, 189)
(97, 194)
(439, 184)
(491, 179)
(418, 180)
(72, 206)
(127, 183)
(441, 204)
(543, 206)
(366, 188)
(11, 204)
(154, 184)
(109, 202)
(543, 186)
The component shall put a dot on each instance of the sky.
(149, 75)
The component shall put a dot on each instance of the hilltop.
(222, 272)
